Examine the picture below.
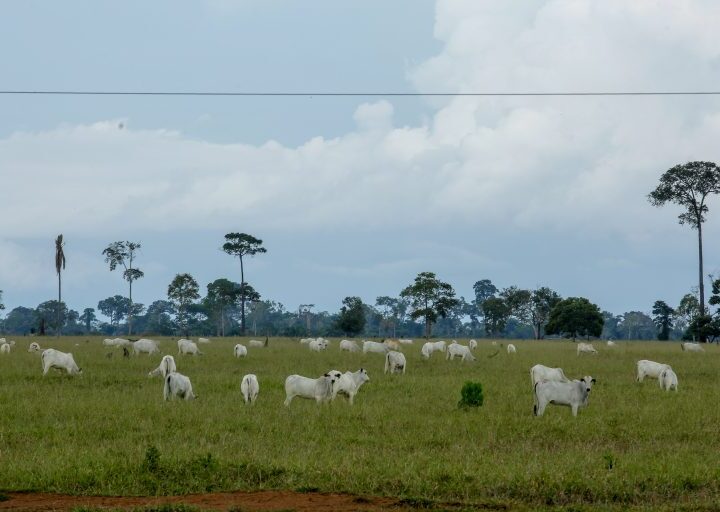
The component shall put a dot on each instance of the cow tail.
(166, 389)
(535, 405)
(387, 361)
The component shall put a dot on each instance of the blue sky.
(355, 196)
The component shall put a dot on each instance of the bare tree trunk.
(242, 298)
(701, 284)
(130, 310)
(428, 327)
(57, 332)
(222, 320)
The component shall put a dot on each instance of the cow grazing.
(240, 350)
(511, 349)
(691, 347)
(650, 369)
(203, 340)
(34, 347)
(392, 345)
(611, 343)
(178, 385)
(52, 358)
(573, 394)
(256, 343)
(145, 346)
(395, 361)
(472, 344)
(318, 345)
(349, 346)
(432, 346)
(167, 365)
(668, 380)
(586, 348)
(375, 347)
(405, 341)
(456, 350)
(5, 348)
(188, 347)
(539, 373)
(319, 389)
(249, 387)
(349, 384)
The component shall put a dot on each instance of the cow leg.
(540, 408)
(288, 400)
(574, 410)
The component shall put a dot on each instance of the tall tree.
(305, 310)
(157, 318)
(59, 267)
(663, 319)
(390, 311)
(115, 308)
(484, 289)
(520, 303)
(183, 292)
(496, 314)
(87, 318)
(47, 315)
(430, 298)
(575, 316)
(352, 316)
(123, 254)
(542, 302)
(221, 294)
(240, 245)
(689, 186)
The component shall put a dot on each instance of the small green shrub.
(151, 464)
(471, 395)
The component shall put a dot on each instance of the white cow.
(167, 365)
(691, 347)
(178, 385)
(511, 349)
(668, 380)
(650, 369)
(319, 389)
(404, 341)
(349, 346)
(145, 346)
(493, 343)
(203, 340)
(249, 387)
(317, 345)
(374, 346)
(456, 350)
(188, 347)
(432, 346)
(5, 348)
(305, 341)
(256, 343)
(349, 384)
(573, 394)
(472, 344)
(392, 345)
(52, 358)
(395, 361)
(240, 350)
(586, 348)
(540, 372)
(34, 347)
(611, 343)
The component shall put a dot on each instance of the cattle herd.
(550, 385)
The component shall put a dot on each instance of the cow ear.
(582, 380)
(593, 381)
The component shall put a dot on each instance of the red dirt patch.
(250, 501)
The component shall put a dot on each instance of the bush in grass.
(471, 395)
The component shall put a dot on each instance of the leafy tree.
(352, 316)
(123, 254)
(688, 309)
(21, 320)
(484, 289)
(610, 325)
(59, 267)
(115, 308)
(689, 186)
(183, 292)
(240, 245)
(542, 302)
(47, 317)
(497, 313)
(88, 318)
(390, 312)
(663, 319)
(573, 317)
(430, 298)
(636, 325)
(520, 303)
(158, 319)
(221, 294)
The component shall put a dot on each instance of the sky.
(356, 195)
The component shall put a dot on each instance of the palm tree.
(59, 266)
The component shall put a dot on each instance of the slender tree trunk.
(701, 284)
(242, 298)
(222, 319)
(130, 311)
(57, 332)
(428, 327)
(536, 328)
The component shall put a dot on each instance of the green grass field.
(109, 432)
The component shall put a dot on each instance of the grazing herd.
(550, 385)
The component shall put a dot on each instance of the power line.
(348, 94)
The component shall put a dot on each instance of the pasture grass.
(108, 432)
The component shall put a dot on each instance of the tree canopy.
(351, 319)
(573, 317)
(430, 299)
(241, 245)
(183, 291)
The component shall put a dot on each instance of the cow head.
(588, 381)
(365, 375)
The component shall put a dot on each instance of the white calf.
(249, 388)
(256, 343)
(349, 384)
(319, 389)
(374, 346)
(691, 347)
(406, 342)
(317, 345)
(144, 346)
(34, 347)
(5, 348)
(188, 347)
(167, 365)
(455, 350)
(178, 385)
(240, 350)
(611, 343)
(540, 372)
(586, 348)
(349, 346)
(52, 358)
(392, 345)
(668, 380)
(511, 349)
(472, 344)
(432, 346)
(203, 340)
(650, 369)
(395, 361)
(573, 394)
